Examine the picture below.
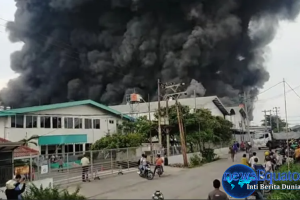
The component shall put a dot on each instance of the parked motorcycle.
(147, 173)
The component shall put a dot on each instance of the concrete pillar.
(46, 151)
(63, 152)
(74, 149)
(83, 147)
(56, 150)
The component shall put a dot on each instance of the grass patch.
(286, 194)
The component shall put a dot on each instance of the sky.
(282, 62)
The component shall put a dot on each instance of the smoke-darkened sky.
(100, 49)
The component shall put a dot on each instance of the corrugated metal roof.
(199, 102)
(61, 105)
(21, 151)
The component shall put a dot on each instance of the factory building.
(137, 107)
(62, 127)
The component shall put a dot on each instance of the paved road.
(175, 184)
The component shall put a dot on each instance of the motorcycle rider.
(142, 163)
(297, 154)
(158, 163)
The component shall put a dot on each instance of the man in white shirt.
(268, 165)
(85, 168)
(251, 160)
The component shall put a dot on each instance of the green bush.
(208, 155)
(286, 194)
(195, 160)
(35, 193)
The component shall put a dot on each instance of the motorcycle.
(257, 194)
(159, 170)
(147, 173)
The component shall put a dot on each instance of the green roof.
(33, 109)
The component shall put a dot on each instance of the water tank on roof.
(8, 108)
(1, 107)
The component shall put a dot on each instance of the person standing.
(60, 164)
(12, 192)
(244, 160)
(231, 153)
(251, 160)
(217, 194)
(85, 162)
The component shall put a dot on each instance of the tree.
(119, 140)
(273, 124)
(26, 141)
(200, 125)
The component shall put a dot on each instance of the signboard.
(22, 170)
(44, 169)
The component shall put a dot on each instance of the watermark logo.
(240, 181)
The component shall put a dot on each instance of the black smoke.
(103, 49)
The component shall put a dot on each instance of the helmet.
(158, 195)
(267, 153)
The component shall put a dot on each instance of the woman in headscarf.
(11, 192)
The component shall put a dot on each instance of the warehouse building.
(62, 127)
(136, 107)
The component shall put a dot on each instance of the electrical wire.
(270, 88)
(278, 96)
(293, 90)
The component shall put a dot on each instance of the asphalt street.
(176, 183)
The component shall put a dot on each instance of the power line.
(293, 90)
(278, 96)
(270, 88)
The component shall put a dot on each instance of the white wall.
(89, 112)
(179, 159)
(210, 106)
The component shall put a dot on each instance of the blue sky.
(283, 61)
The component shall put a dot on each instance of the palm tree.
(26, 141)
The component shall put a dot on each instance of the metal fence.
(66, 168)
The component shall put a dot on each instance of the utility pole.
(265, 115)
(286, 126)
(159, 113)
(174, 88)
(150, 133)
(168, 132)
(182, 137)
(276, 110)
(247, 115)
(270, 116)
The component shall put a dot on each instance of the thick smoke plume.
(103, 49)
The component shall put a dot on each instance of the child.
(244, 160)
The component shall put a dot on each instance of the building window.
(69, 122)
(111, 121)
(56, 122)
(31, 121)
(17, 121)
(45, 122)
(96, 123)
(88, 124)
(78, 123)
